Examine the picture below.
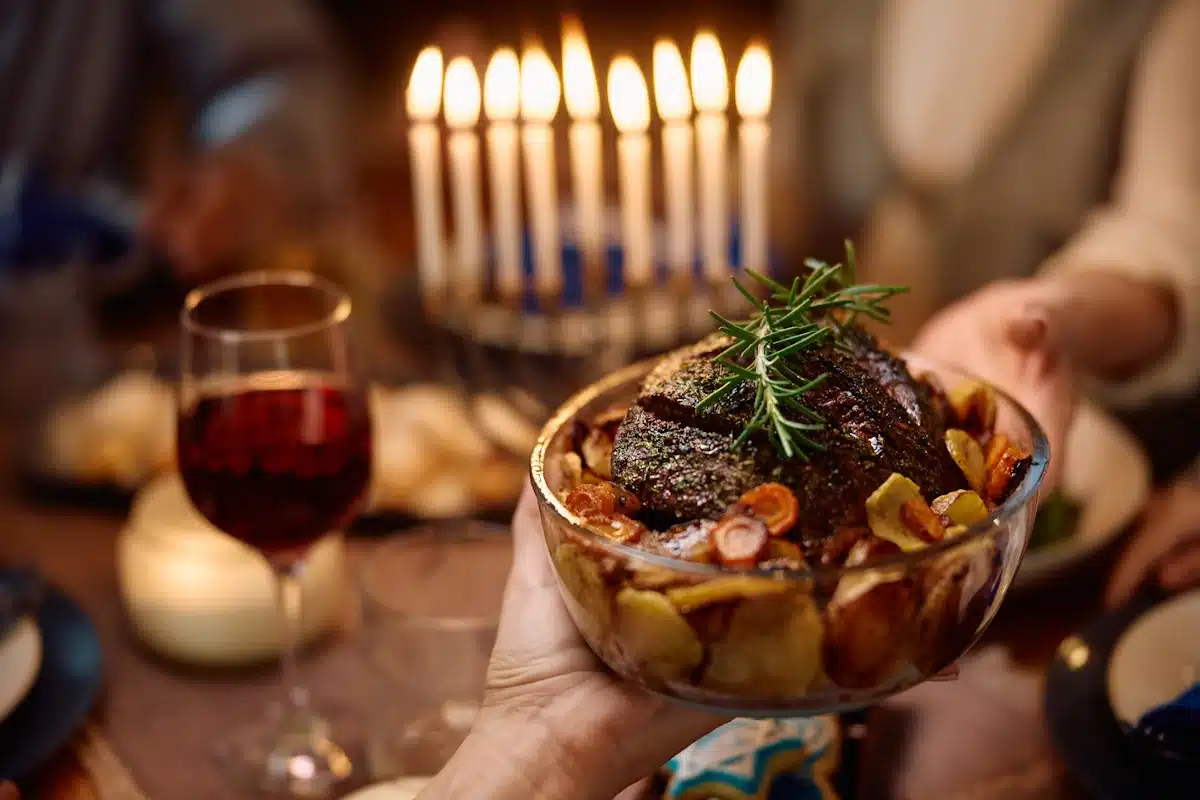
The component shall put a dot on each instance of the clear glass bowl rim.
(1017, 502)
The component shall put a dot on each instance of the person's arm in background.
(1119, 305)
(270, 150)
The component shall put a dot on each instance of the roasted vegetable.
(974, 406)
(968, 455)
(654, 635)
(1006, 465)
(772, 647)
(723, 590)
(867, 637)
(739, 540)
(897, 512)
(581, 578)
(963, 507)
(774, 504)
(590, 500)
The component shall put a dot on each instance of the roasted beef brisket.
(682, 465)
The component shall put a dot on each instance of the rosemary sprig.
(793, 319)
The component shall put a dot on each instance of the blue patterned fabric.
(778, 759)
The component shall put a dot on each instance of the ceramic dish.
(1157, 659)
(1107, 473)
(20, 659)
(63, 694)
(1082, 724)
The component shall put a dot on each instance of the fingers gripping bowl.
(727, 610)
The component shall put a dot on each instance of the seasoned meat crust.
(681, 463)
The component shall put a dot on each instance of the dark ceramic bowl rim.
(1017, 502)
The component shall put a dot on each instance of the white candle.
(501, 95)
(540, 94)
(674, 103)
(752, 96)
(199, 596)
(587, 176)
(710, 91)
(422, 102)
(461, 103)
(630, 106)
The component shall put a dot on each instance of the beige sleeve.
(1151, 229)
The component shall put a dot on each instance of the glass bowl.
(761, 643)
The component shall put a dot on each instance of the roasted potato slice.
(947, 619)
(596, 450)
(582, 578)
(895, 512)
(968, 455)
(655, 636)
(723, 590)
(772, 647)
(974, 405)
(963, 507)
(867, 638)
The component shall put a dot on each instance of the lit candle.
(630, 105)
(540, 94)
(461, 103)
(501, 95)
(583, 104)
(675, 107)
(422, 101)
(198, 596)
(752, 96)
(710, 91)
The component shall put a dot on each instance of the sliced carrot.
(740, 540)
(774, 504)
(918, 518)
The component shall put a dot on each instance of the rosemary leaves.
(767, 347)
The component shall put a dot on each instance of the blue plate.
(1083, 728)
(63, 695)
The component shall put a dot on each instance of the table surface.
(145, 699)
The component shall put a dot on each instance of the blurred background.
(148, 147)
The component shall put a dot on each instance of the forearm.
(1114, 326)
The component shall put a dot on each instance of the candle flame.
(628, 98)
(540, 91)
(423, 97)
(461, 93)
(710, 82)
(671, 93)
(502, 85)
(752, 86)
(579, 76)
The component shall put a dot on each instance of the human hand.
(555, 722)
(1012, 334)
(208, 212)
(1167, 546)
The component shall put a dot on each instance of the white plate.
(1107, 472)
(1156, 659)
(20, 660)
(399, 789)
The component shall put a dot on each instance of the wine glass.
(274, 446)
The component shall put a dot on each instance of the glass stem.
(290, 598)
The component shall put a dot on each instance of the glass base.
(420, 744)
(288, 754)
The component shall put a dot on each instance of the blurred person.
(1033, 170)
(264, 152)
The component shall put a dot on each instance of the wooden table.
(146, 699)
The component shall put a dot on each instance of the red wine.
(277, 467)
